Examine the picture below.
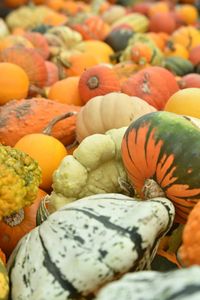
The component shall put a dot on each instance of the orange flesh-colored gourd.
(32, 116)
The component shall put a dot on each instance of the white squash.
(181, 284)
(86, 244)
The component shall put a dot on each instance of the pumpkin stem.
(93, 82)
(151, 189)
(48, 129)
(14, 219)
(126, 187)
(36, 90)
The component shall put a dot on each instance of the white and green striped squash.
(86, 244)
(181, 284)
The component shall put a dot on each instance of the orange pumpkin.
(47, 150)
(14, 227)
(187, 13)
(29, 60)
(153, 84)
(158, 7)
(14, 82)
(77, 63)
(66, 91)
(98, 80)
(162, 22)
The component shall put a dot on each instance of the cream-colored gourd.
(113, 110)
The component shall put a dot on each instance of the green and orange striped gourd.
(160, 152)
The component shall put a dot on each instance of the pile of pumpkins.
(105, 97)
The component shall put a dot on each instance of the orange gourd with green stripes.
(161, 153)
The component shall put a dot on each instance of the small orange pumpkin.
(47, 150)
(66, 91)
(29, 60)
(14, 82)
(96, 81)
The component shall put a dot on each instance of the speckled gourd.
(86, 244)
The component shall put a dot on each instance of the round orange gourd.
(47, 150)
(77, 63)
(66, 91)
(96, 81)
(187, 13)
(185, 102)
(158, 7)
(14, 83)
(14, 227)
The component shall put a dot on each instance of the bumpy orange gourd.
(14, 82)
(23, 117)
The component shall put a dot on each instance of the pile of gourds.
(99, 150)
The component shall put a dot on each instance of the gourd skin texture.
(96, 239)
(20, 177)
(4, 287)
(94, 168)
(180, 284)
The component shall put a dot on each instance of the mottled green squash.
(178, 65)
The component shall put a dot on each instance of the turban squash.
(160, 151)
